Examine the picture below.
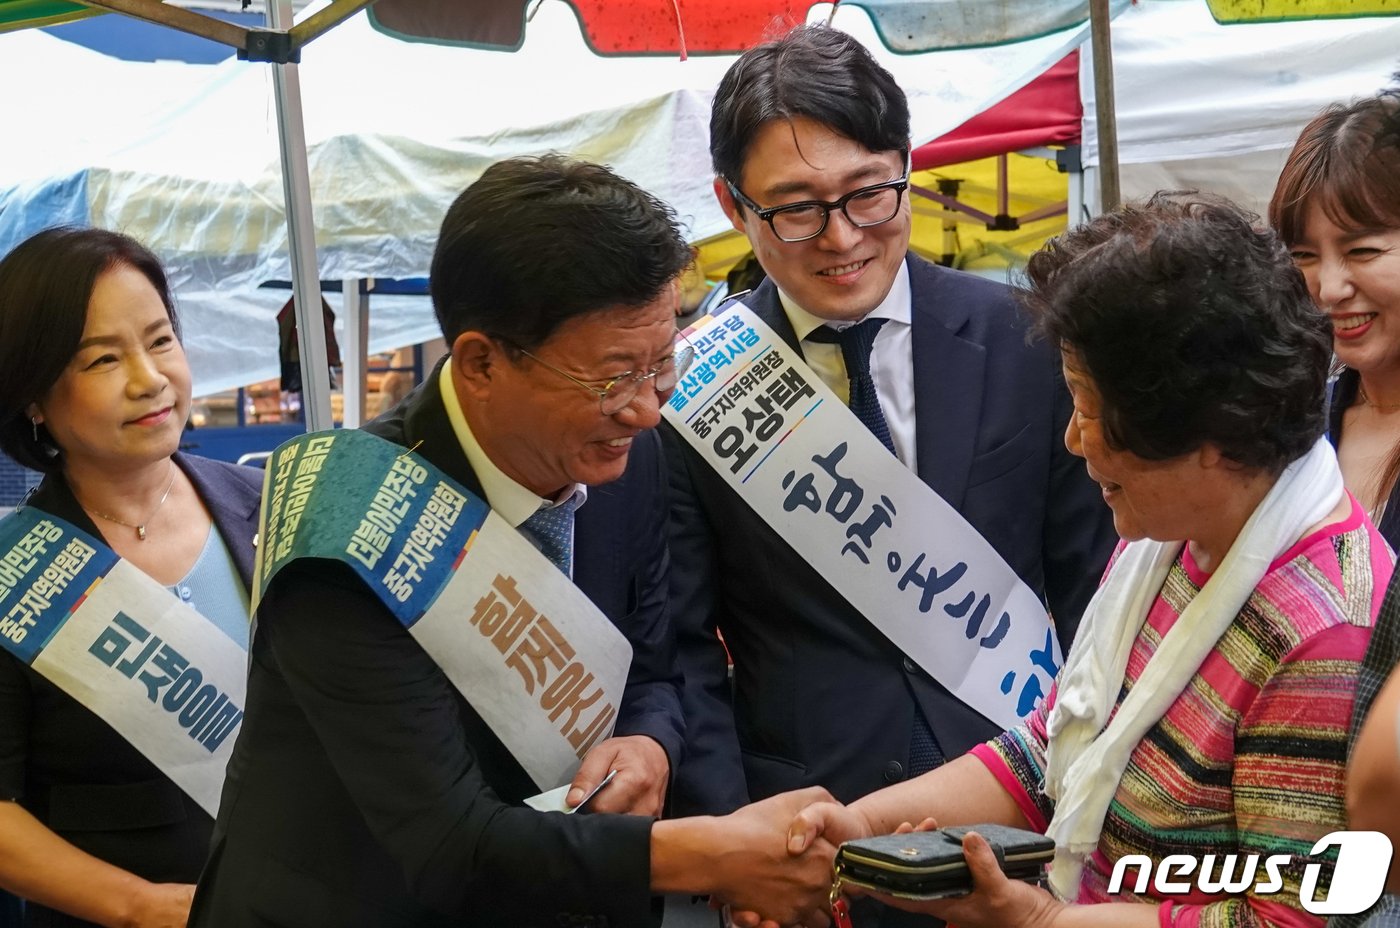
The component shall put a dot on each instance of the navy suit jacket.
(818, 695)
(70, 769)
(364, 790)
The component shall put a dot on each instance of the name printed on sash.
(545, 661)
(894, 549)
(202, 709)
(538, 661)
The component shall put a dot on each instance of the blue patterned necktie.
(856, 342)
(553, 531)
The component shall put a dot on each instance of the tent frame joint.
(1070, 159)
(270, 46)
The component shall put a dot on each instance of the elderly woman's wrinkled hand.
(995, 900)
(830, 820)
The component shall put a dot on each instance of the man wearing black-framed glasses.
(863, 207)
(810, 140)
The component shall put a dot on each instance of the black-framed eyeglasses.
(863, 207)
(615, 394)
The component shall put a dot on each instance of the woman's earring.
(34, 423)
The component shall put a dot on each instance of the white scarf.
(1084, 760)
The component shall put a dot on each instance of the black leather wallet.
(930, 864)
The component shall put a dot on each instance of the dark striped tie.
(856, 342)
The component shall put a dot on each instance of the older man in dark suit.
(810, 141)
(366, 789)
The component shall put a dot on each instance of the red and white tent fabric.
(1047, 111)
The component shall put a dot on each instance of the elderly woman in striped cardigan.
(1203, 708)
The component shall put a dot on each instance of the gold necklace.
(1366, 400)
(141, 528)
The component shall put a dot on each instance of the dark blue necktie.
(553, 532)
(856, 342)
(924, 752)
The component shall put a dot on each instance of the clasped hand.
(995, 902)
(759, 868)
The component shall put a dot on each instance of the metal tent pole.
(301, 232)
(355, 303)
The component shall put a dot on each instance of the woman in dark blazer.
(95, 392)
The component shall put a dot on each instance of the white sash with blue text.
(908, 561)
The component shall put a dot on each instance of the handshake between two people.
(772, 863)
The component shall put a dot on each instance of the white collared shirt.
(891, 360)
(507, 498)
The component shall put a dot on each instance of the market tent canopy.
(1269, 11)
(115, 158)
(681, 27)
(612, 27)
(133, 39)
(253, 41)
(185, 157)
(718, 26)
(1202, 105)
(21, 14)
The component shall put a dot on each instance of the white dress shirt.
(891, 360)
(507, 499)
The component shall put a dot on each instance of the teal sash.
(534, 657)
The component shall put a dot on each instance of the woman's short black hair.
(46, 284)
(536, 241)
(1194, 326)
(816, 72)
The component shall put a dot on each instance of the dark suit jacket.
(819, 696)
(70, 769)
(365, 791)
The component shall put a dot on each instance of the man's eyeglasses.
(864, 207)
(616, 394)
